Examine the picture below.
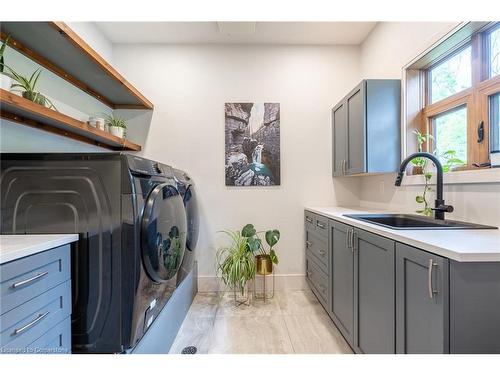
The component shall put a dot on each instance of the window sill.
(479, 176)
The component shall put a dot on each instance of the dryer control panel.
(148, 167)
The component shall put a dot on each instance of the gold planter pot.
(264, 264)
(264, 268)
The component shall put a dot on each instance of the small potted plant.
(235, 264)
(5, 80)
(28, 89)
(266, 258)
(420, 163)
(116, 125)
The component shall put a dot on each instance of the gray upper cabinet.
(366, 129)
(375, 295)
(422, 295)
(356, 139)
(339, 132)
(342, 279)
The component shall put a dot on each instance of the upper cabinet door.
(339, 139)
(356, 130)
(422, 294)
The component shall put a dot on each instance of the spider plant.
(2, 50)
(235, 263)
(113, 120)
(28, 89)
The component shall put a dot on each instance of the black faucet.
(439, 207)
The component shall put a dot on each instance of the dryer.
(132, 229)
(186, 188)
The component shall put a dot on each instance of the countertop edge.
(38, 245)
(399, 236)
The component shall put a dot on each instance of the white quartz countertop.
(463, 245)
(17, 246)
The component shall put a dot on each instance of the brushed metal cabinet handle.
(308, 243)
(322, 226)
(322, 252)
(30, 280)
(432, 291)
(354, 237)
(348, 238)
(308, 219)
(30, 324)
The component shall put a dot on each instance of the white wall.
(189, 86)
(383, 54)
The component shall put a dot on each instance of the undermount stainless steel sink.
(412, 222)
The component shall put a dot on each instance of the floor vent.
(189, 350)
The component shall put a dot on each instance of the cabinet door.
(422, 312)
(342, 280)
(339, 138)
(356, 139)
(375, 296)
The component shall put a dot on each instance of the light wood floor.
(291, 322)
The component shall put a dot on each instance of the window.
(453, 93)
(495, 122)
(494, 52)
(450, 76)
(450, 133)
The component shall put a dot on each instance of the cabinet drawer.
(317, 246)
(26, 323)
(309, 219)
(318, 281)
(322, 226)
(56, 341)
(25, 278)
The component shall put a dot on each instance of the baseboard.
(282, 282)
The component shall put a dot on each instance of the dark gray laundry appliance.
(132, 228)
(186, 187)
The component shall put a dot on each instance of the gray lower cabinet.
(318, 258)
(375, 321)
(35, 308)
(342, 279)
(422, 295)
(387, 297)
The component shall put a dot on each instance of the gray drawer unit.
(28, 322)
(28, 277)
(317, 246)
(56, 341)
(318, 280)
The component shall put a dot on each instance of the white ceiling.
(237, 32)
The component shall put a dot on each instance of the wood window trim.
(419, 114)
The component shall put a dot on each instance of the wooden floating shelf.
(17, 109)
(58, 48)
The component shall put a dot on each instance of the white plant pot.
(116, 131)
(5, 82)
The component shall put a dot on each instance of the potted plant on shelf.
(5, 80)
(265, 259)
(235, 264)
(116, 125)
(28, 89)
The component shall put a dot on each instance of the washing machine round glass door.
(164, 229)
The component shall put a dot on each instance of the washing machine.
(132, 228)
(186, 187)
